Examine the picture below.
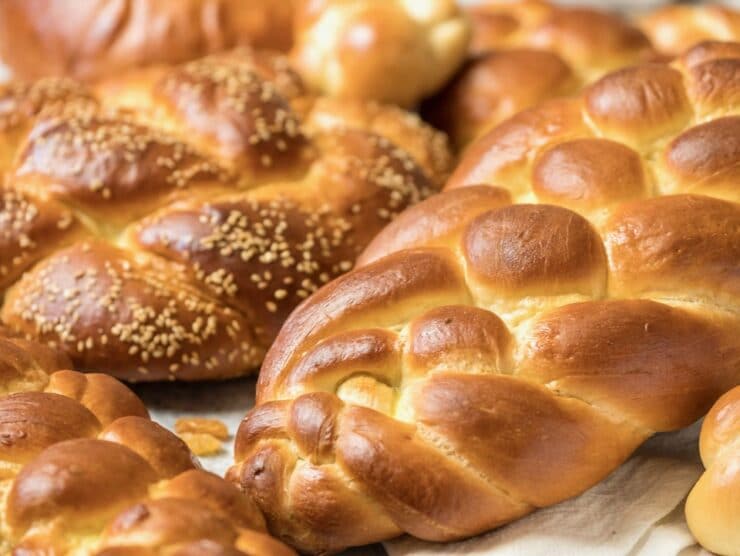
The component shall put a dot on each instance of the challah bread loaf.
(517, 353)
(396, 51)
(172, 240)
(144, 91)
(674, 29)
(713, 506)
(84, 471)
(90, 39)
(526, 52)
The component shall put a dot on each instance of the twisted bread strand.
(84, 470)
(170, 237)
(713, 506)
(396, 51)
(489, 358)
(674, 29)
(527, 51)
(88, 40)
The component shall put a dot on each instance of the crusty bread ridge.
(163, 225)
(518, 353)
(85, 471)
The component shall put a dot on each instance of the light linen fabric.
(636, 511)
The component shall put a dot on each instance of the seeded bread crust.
(164, 225)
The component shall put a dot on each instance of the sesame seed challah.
(487, 358)
(84, 471)
(713, 505)
(674, 29)
(170, 237)
(527, 51)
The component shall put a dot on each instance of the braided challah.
(490, 358)
(94, 38)
(713, 506)
(84, 471)
(395, 51)
(172, 239)
(673, 29)
(525, 52)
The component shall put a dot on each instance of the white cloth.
(636, 511)
(227, 401)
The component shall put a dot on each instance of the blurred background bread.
(525, 52)
(168, 221)
(713, 506)
(394, 51)
(84, 470)
(397, 51)
(95, 38)
(673, 29)
(518, 353)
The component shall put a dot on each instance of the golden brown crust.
(519, 352)
(713, 504)
(130, 314)
(395, 51)
(691, 167)
(525, 52)
(112, 168)
(21, 102)
(424, 278)
(495, 85)
(682, 247)
(428, 147)
(523, 250)
(26, 365)
(193, 200)
(589, 173)
(229, 109)
(438, 337)
(676, 125)
(674, 29)
(638, 104)
(83, 469)
(103, 38)
(33, 227)
(95, 391)
(434, 221)
(498, 24)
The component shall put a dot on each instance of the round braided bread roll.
(171, 237)
(396, 51)
(525, 52)
(713, 506)
(84, 471)
(489, 358)
(673, 29)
